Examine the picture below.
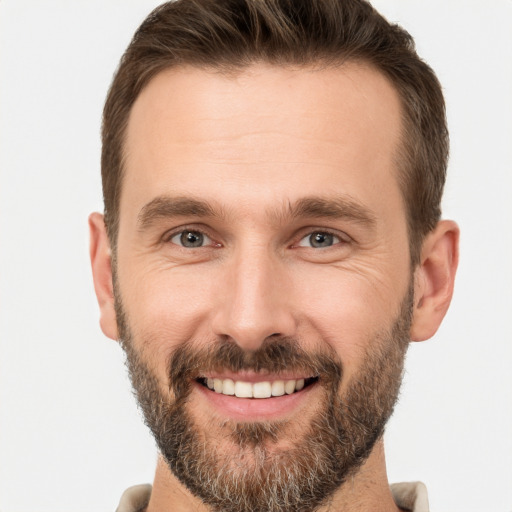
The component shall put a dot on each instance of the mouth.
(248, 396)
(258, 389)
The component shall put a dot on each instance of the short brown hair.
(231, 34)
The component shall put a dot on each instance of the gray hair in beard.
(258, 479)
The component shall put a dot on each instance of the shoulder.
(411, 496)
(135, 499)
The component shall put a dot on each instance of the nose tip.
(250, 326)
(255, 306)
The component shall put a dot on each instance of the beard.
(255, 474)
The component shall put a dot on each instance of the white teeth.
(263, 389)
(243, 389)
(289, 387)
(228, 387)
(278, 388)
(217, 385)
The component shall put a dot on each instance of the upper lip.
(251, 376)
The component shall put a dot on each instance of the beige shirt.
(410, 496)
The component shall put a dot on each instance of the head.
(272, 174)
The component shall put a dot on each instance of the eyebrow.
(164, 207)
(316, 207)
(339, 207)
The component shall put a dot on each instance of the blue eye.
(319, 240)
(190, 239)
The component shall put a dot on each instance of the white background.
(70, 434)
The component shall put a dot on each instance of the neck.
(366, 491)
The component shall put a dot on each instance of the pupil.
(192, 239)
(321, 240)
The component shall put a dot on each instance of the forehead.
(266, 132)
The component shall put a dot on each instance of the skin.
(251, 145)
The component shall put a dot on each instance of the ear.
(102, 274)
(434, 279)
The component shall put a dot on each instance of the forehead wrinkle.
(316, 207)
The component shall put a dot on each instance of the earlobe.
(434, 279)
(102, 274)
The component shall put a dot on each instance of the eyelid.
(171, 233)
(303, 233)
(207, 241)
(306, 232)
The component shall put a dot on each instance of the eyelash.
(343, 238)
(167, 238)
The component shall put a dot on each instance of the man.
(272, 175)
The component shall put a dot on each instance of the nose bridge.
(255, 302)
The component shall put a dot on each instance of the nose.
(254, 302)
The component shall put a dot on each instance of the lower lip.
(255, 409)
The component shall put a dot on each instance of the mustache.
(277, 354)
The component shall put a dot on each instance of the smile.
(261, 389)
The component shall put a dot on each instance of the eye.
(319, 240)
(190, 239)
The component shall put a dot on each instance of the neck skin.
(366, 491)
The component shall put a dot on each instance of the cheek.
(349, 309)
(167, 306)
(344, 306)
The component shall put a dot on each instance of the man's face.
(263, 250)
